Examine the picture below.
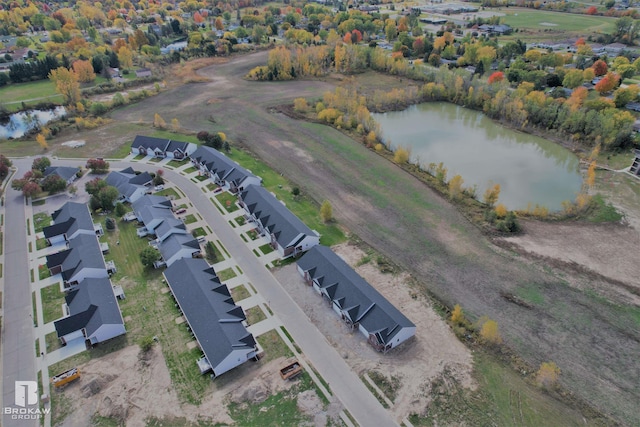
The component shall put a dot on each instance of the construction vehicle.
(66, 377)
(291, 371)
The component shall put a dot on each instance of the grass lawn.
(535, 19)
(198, 232)
(266, 248)
(174, 136)
(202, 177)
(41, 243)
(190, 170)
(52, 342)
(52, 300)
(228, 200)
(18, 92)
(35, 310)
(189, 219)
(618, 160)
(273, 346)
(239, 293)
(139, 157)
(41, 220)
(255, 315)
(121, 152)
(177, 163)
(303, 207)
(168, 192)
(226, 274)
(240, 220)
(43, 272)
(212, 186)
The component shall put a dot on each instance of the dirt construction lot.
(568, 319)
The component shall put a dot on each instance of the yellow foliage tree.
(490, 333)
(591, 174)
(125, 57)
(158, 121)
(401, 155)
(491, 195)
(379, 147)
(371, 138)
(175, 125)
(501, 210)
(300, 105)
(455, 187)
(80, 107)
(66, 83)
(595, 152)
(326, 211)
(84, 70)
(42, 141)
(547, 375)
(223, 137)
(457, 316)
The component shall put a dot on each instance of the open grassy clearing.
(503, 398)
(52, 342)
(273, 346)
(536, 19)
(168, 192)
(41, 90)
(228, 200)
(52, 301)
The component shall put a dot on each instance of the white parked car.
(159, 187)
(201, 239)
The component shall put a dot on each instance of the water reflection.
(529, 169)
(21, 123)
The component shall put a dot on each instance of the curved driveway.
(344, 383)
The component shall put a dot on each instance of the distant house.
(143, 72)
(179, 246)
(69, 221)
(216, 322)
(69, 174)
(152, 211)
(635, 166)
(92, 313)
(83, 259)
(131, 186)
(222, 170)
(288, 235)
(358, 303)
(501, 29)
(159, 147)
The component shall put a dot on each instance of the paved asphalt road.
(344, 383)
(18, 351)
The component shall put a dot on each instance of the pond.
(529, 169)
(22, 122)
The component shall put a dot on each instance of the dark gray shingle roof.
(69, 218)
(64, 172)
(362, 302)
(218, 163)
(274, 216)
(209, 309)
(91, 305)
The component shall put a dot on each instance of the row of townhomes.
(163, 148)
(131, 186)
(217, 323)
(358, 303)
(92, 311)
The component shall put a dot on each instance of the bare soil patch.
(131, 387)
(609, 250)
(416, 362)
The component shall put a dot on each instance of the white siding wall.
(106, 332)
(235, 358)
(191, 148)
(309, 242)
(135, 150)
(57, 239)
(403, 335)
(73, 335)
(137, 194)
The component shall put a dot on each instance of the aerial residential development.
(319, 213)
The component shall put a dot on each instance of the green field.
(40, 91)
(558, 21)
